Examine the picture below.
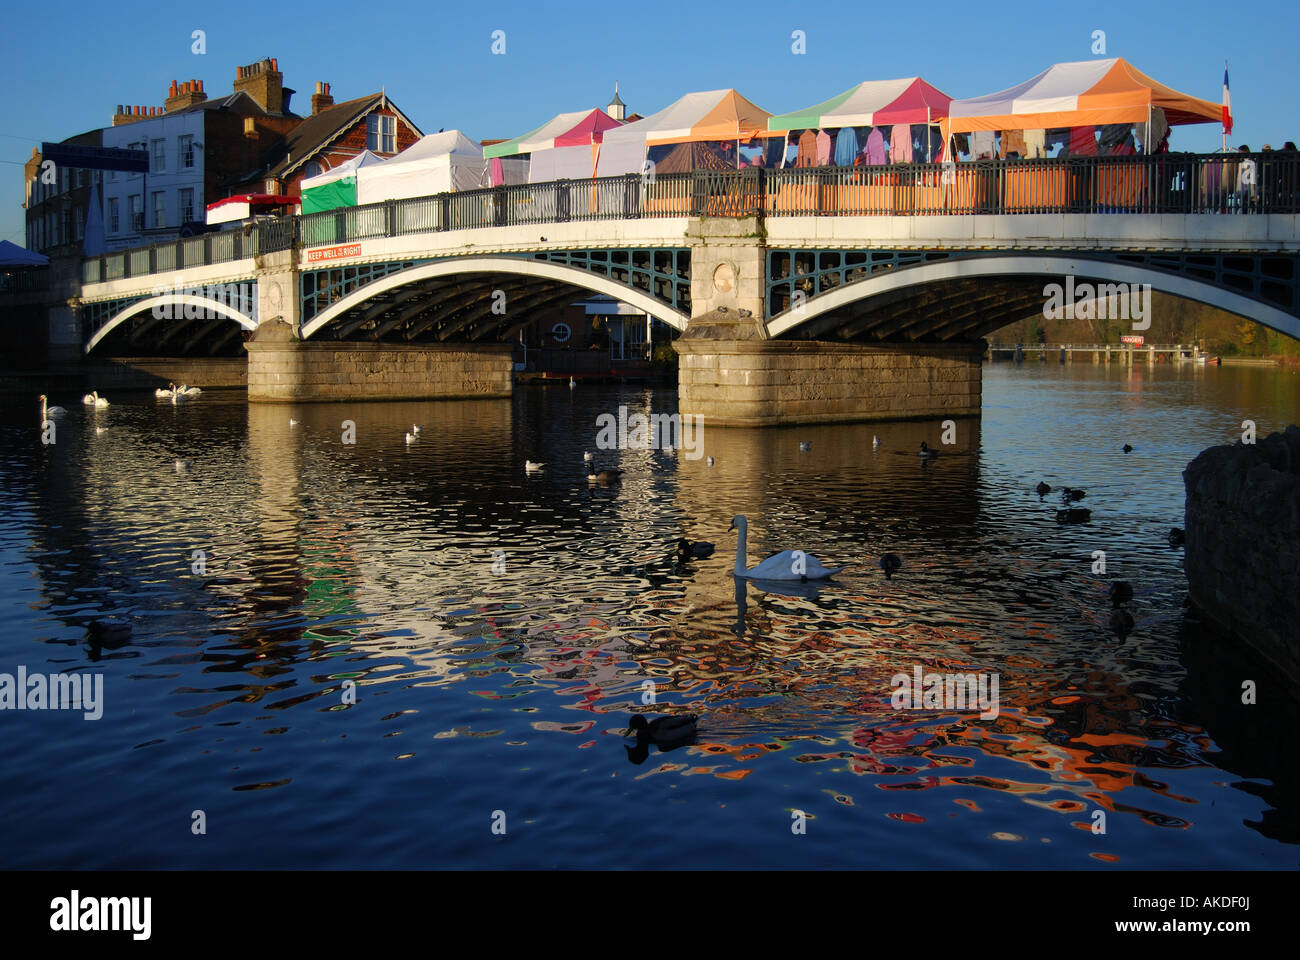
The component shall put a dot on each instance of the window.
(187, 205)
(381, 133)
(159, 208)
(137, 215)
(114, 209)
(158, 163)
(311, 170)
(137, 146)
(187, 151)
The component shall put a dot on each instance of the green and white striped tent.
(336, 187)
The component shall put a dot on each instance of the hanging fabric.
(823, 148)
(1035, 144)
(1013, 141)
(846, 147)
(900, 143)
(1083, 141)
(983, 147)
(875, 148)
(807, 156)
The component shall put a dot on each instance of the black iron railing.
(24, 280)
(1165, 183)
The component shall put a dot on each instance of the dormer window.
(381, 133)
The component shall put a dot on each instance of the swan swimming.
(190, 392)
(48, 412)
(95, 400)
(411, 438)
(166, 394)
(780, 566)
(531, 467)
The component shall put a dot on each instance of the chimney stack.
(264, 83)
(184, 95)
(321, 99)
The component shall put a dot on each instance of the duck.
(531, 467)
(1121, 592)
(48, 412)
(1042, 489)
(607, 475)
(411, 438)
(710, 461)
(693, 551)
(95, 400)
(805, 446)
(1070, 494)
(779, 566)
(890, 563)
(1121, 622)
(110, 632)
(1128, 448)
(663, 730)
(1177, 537)
(162, 394)
(926, 453)
(1073, 515)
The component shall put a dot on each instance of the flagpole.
(1223, 128)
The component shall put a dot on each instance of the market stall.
(439, 163)
(336, 187)
(563, 148)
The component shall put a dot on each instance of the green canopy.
(337, 193)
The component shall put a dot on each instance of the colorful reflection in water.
(348, 682)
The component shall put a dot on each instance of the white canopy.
(707, 115)
(349, 169)
(438, 163)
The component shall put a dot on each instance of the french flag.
(1227, 104)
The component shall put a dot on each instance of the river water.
(392, 655)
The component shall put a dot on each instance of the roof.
(318, 131)
(1083, 93)
(12, 255)
(873, 103)
(706, 115)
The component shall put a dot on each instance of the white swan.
(572, 383)
(293, 422)
(530, 467)
(411, 438)
(179, 397)
(805, 446)
(415, 429)
(167, 394)
(587, 456)
(48, 412)
(786, 565)
(95, 400)
(100, 431)
(875, 442)
(190, 392)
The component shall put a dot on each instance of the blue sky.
(68, 64)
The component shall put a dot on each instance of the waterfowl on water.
(1128, 448)
(1121, 592)
(109, 632)
(805, 446)
(1177, 537)
(608, 475)
(693, 551)
(875, 442)
(891, 563)
(588, 456)
(179, 396)
(95, 400)
(663, 730)
(411, 438)
(293, 422)
(100, 430)
(415, 429)
(531, 467)
(926, 453)
(1121, 622)
(162, 394)
(1073, 515)
(190, 392)
(48, 412)
(710, 461)
(1042, 489)
(1070, 494)
(779, 566)
(182, 466)
(572, 383)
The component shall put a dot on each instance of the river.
(390, 655)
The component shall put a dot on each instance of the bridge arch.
(212, 309)
(515, 266)
(1045, 266)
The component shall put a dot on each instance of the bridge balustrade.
(1163, 183)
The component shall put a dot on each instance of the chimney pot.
(200, 86)
(274, 64)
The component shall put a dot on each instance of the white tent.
(438, 163)
(349, 169)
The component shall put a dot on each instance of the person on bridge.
(1246, 180)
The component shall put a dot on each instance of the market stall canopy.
(712, 115)
(1085, 93)
(245, 205)
(870, 104)
(336, 187)
(438, 163)
(579, 128)
(12, 255)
